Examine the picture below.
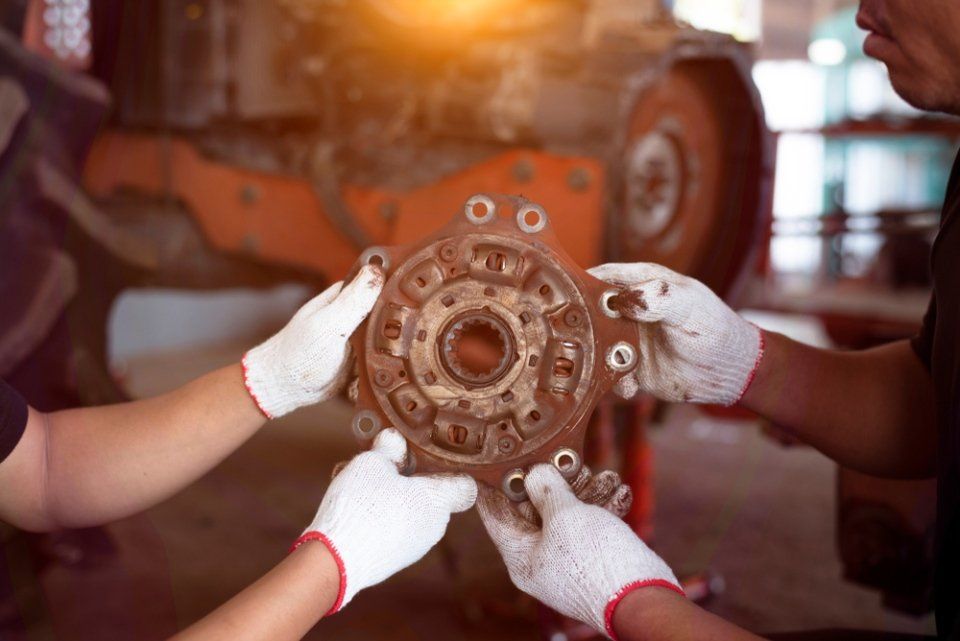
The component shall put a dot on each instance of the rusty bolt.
(388, 210)
(249, 194)
(578, 179)
(523, 171)
(448, 252)
(382, 378)
(506, 444)
(572, 318)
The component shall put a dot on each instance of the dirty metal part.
(622, 357)
(489, 347)
(567, 462)
(607, 306)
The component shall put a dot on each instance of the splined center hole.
(479, 348)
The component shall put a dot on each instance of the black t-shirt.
(13, 419)
(937, 346)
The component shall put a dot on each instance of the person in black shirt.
(892, 411)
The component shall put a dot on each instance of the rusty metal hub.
(489, 347)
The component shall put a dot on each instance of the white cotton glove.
(376, 522)
(582, 561)
(307, 361)
(693, 347)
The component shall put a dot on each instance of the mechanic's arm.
(372, 523)
(586, 563)
(871, 410)
(87, 466)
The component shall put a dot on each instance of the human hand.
(307, 361)
(693, 347)
(582, 561)
(376, 521)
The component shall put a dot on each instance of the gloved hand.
(604, 489)
(581, 562)
(693, 348)
(376, 521)
(307, 361)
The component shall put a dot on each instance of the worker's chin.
(914, 88)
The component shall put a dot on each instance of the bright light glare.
(827, 51)
(740, 18)
(447, 13)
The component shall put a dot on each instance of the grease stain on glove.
(693, 347)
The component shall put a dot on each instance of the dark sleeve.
(922, 343)
(13, 419)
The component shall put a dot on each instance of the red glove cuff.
(756, 366)
(246, 383)
(317, 536)
(627, 589)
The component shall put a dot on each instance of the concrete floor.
(728, 501)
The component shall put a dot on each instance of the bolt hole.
(496, 262)
(457, 434)
(376, 259)
(478, 210)
(534, 415)
(366, 424)
(620, 358)
(563, 368)
(565, 462)
(544, 290)
(531, 218)
(402, 374)
(503, 426)
(391, 329)
(411, 405)
(421, 282)
(516, 485)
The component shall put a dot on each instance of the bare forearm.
(282, 605)
(655, 614)
(105, 463)
(872, 410)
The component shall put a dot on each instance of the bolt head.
(573, 318)
(448, 252)
(578, 179)
(382, 378)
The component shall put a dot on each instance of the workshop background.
(178, 177)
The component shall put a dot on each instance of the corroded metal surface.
(489, 347)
